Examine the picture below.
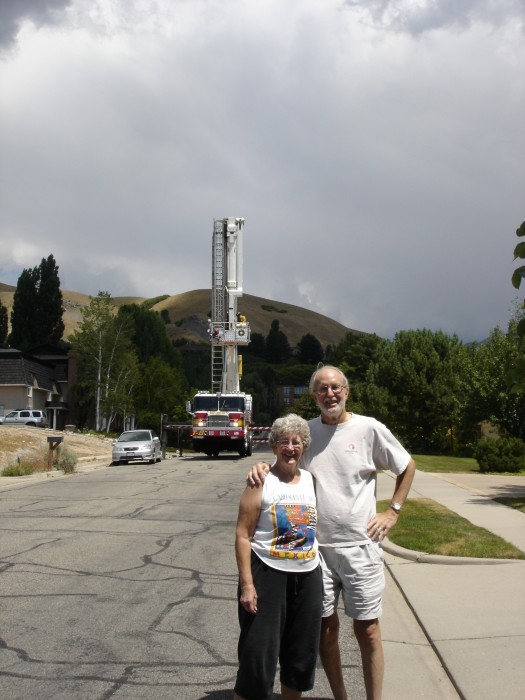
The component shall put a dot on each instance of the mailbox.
(55, 440)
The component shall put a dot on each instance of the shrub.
(28, 461)
(506, 454)
(19, 469)
(66, 460)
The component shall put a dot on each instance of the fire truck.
(222, 417)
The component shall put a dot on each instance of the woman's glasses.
(294, 444)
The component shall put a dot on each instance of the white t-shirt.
(284, 537)
(344, 460)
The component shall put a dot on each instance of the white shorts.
(358, 572)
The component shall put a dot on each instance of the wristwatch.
(396, 507)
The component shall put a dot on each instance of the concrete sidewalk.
(471, 612)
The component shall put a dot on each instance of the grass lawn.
(427, 526)
(437, 463)
(452, 465)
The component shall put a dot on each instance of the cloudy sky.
(374, 147)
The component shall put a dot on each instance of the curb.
(424, 558)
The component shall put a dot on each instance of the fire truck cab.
(222, 422)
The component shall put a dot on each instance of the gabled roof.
(18, 368)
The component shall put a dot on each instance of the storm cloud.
(375, 150)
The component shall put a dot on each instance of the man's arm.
(382, 523)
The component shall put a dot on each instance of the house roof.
(18, 368)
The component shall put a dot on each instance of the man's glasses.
(325, 388)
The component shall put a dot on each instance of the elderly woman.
(280, 585)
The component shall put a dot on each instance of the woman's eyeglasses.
(294, 444)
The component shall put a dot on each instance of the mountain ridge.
(188, 315)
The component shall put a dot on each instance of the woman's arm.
(249, 510)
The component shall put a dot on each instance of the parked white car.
(25, 416)
(137, 445)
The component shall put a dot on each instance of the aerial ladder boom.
(227, 331)
(222, 418)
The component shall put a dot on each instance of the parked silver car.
(25, 416)
(141, 445)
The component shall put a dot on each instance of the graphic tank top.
(284, 537)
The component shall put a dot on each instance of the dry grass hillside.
(31, 443)
(188, 313)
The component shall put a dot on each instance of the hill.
(188, 314)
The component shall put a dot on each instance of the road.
(121, 582)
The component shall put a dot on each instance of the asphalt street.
(120, 583)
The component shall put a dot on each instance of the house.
(35, 379)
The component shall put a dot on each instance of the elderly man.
(346, 453)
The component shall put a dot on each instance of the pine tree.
(49, 322)
(3, 324)
(277, 346)
(36, 318)
(310, 349)
(23, 315)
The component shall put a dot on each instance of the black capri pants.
(286, 628)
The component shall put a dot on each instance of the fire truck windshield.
(219, 403)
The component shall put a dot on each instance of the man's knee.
(329, 630)
(368, 632)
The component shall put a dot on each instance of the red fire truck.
(222, 417)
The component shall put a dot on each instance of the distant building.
(288, 393)
(36, 379)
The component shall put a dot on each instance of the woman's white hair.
(291, 424)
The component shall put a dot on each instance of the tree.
(256, 346)
(49, 324)
(310, 350)
(160, 391)
(118, 399)
(414, 386)
(277, 346)
(148, 333)
(355, 353)
(25, 309)
(516, 370)
(103, 350)
(36, 318)
(3, 323)
(486, 388)
(304, 406)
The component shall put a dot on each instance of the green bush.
(19, 469)
(506, 454)
(66, 460)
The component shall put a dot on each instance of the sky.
(375, 149)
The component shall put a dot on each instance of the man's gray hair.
(313, 378)
(291, 424)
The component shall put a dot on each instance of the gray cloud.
(14, 12)
(380, 174)
(418, 18)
